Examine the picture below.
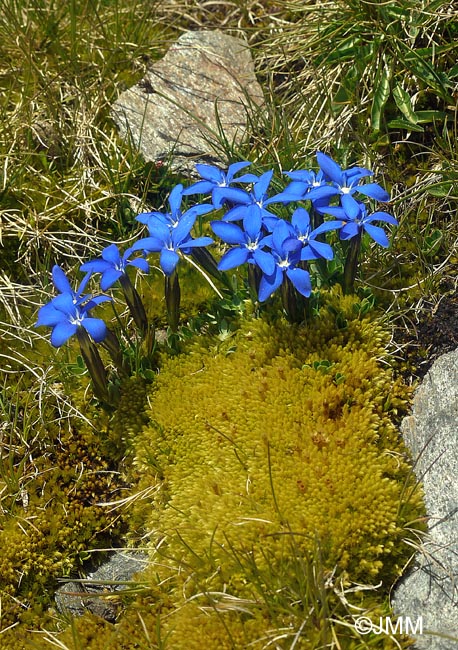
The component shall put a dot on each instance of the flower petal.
(234, 168)
(96, 328)
(62, 332)
(300, 280)
(260, 188)
(95, 266)
(201, 187)
(382, 216)
(301, 221)
(210, 173)
(349, 230)
(48, 316)
(350, 205)
(228, 232)
(168, 261)
(265, 261)
(329, 167)
(377, 234)
(175, 198)
(111, 254)
(374, 191)
(231, 194)
(140, 263)
(196, 243)
(109, 277)
(320, 249)
(60, 280)
(269, 284)
(234, 257)
(149, 244)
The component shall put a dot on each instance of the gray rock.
(204, 85)
(430, 590)
(77, 596)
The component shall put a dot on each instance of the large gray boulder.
(204, 88)
(430, 589)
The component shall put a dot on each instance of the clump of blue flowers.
(281, 253)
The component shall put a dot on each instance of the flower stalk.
(351, 264)
(172, 300)
(94, 365)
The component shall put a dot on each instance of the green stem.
(111, 345)
(172, 300)
(94, 365)
(135, 304)
(293, 302)
(254, 278)
(351, 264)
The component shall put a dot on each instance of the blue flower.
(286, 252)
(214, 177)
(112, 265)
(304, 182)
(169, 240)
(248, 204)
(66, 313)
(173, 217)
(346, 183)
(312, 248)
(354, 225)
(250, 242)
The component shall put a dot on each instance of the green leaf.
(429, 116)
(382, 92)
(403, 102)
(440, 189)
(433, 242)
(405, 124)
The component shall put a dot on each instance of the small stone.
(430, 589)
(204, 87)
(76, 597)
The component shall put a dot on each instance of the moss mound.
(273, 452)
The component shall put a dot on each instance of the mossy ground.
(272, 481)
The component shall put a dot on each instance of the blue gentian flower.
(304, 182)
(312, 248)
(214, 177)
(287, 255)
(354, 225)
(346, 183)
(62, 285)
(66, 312)
(173, 217)
(112, 265)
(169, 240)
(249, 244)
(248, 204)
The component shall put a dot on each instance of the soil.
(435, 334)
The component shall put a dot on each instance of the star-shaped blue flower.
(286, 252)
(173, 217)
(169, 240)
(66, 313)
(353, 225)
(214, 178)
(346, 183)
(312, 248)
(112, 265)
(249, 244)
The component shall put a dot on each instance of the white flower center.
(77, 320)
